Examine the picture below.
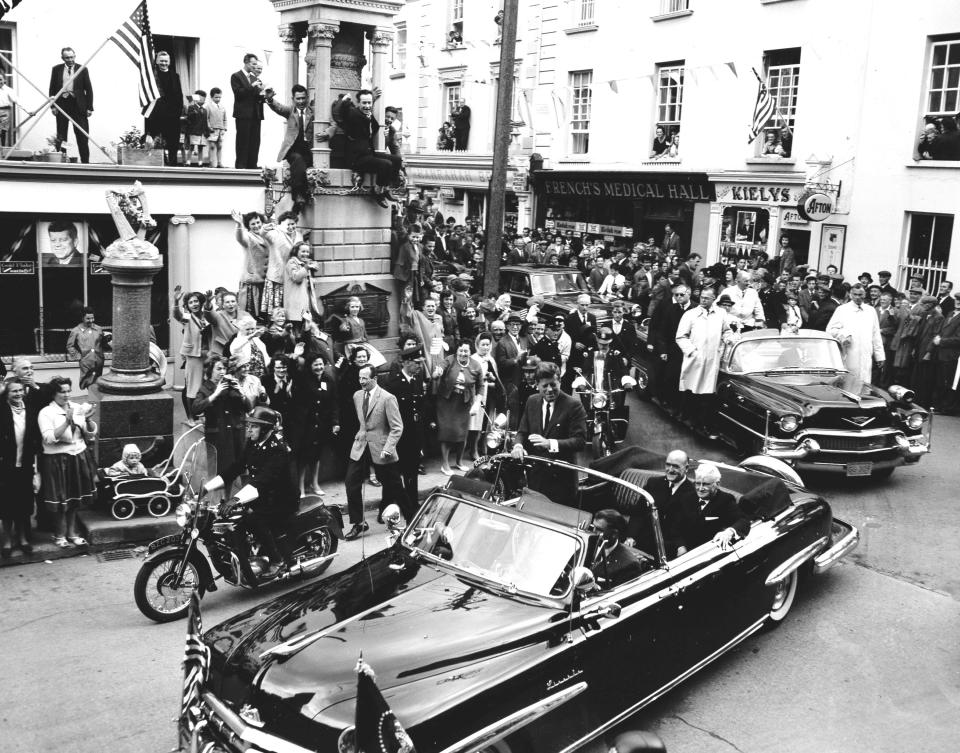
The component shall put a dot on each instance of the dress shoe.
(374, 481)
(5, 552)
(382, 201)
(421, 470)
(26, 548)
(356, 530)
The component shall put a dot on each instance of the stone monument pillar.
(133, 407)
(290, 36)
(320, 44)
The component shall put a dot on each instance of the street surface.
(868, 660)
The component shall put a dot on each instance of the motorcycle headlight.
(915, 421)
(183, 513)
(599, 399)
(789, 423)
(493, 439)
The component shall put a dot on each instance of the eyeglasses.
(673, 465)
(704, 483)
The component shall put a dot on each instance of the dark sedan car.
(486, 627)
(557, 286)
(789, 396)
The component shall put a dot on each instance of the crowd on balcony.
(939, 139)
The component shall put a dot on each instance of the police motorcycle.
(607, 415)
(499, 438)
(213, 533)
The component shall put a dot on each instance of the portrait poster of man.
(61, 243)
(746, 226)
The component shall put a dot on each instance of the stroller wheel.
(158, 506)
(123, 508)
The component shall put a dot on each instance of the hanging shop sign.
(447, 193)
(815, 206)
(676, 186)
(792, 217)
(18, 268)
(590, 227)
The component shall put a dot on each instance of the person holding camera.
(223, 406)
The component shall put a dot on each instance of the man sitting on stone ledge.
(360, 129)
(297, 140)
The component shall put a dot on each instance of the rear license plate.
(859, 469)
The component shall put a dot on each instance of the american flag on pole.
(196, 665)
(133, 37)
(761, 112)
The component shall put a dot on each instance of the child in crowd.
(217, 125)
(129, 464)
(197, 129)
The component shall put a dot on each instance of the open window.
(782, 70)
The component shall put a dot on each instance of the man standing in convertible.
(553, 425)
(272, 488)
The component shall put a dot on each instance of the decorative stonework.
(290, 35)
(380, 39)
(323, 33)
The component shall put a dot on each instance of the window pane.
(954, 55)
(950, 102)
(939, 54)
(942, 230)
(935, 99)
(921, 229)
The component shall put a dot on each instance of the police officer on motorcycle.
(272, 489)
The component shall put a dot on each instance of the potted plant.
(135, 148)
(52, 152)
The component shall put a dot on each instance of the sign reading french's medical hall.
(611, 185)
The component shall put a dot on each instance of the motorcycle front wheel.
(156, 594)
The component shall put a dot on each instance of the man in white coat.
(856, 327)
(700, 336)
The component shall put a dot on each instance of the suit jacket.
(361, 133)
(82, 88)
(671, 243)
(413, 404)
(613, 369)
(573, 325)
(616, 567)
(247, 99)
(664, 324)
(624, 341)
(820, 314)
(567, 425)
(946, 304)
(696, 526)
(32, 442)
(949, 350)
(222, 328)
(269, 468)
(293, 126)
(506, 354)
(889, 324)
(380, 429)
(668, 511)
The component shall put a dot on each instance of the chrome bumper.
(806, 446)
(841, 548)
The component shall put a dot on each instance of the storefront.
(752, 215)
(630, 206)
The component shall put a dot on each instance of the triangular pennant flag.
(613, 87)
(733, 67)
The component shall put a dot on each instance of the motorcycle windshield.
(196, 461)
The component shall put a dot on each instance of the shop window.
(50, 269)
(783, 86)
(455, 32)
(942, 98)
(927, 254)
(744, 231)
(183, 57)
(669, 108)
(582, 93)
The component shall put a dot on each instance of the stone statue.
(132, 218)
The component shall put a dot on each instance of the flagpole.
(53, 99)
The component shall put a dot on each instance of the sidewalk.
(334, 495)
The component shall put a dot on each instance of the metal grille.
(855, 443)
(115, 554)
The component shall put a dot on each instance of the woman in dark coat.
(224, 408)
(450, 318)
(315, 421)
(278, 384)
(457, 401)
(19, 446)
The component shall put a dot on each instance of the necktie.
(546, 418)
(366, 402)
(300, 115)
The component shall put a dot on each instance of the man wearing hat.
(507, 352)
(624, 333)
(807, 295)
(601, 366)
(410, 389)
(885, 287)
(547, 347)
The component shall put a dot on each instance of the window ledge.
(668, 16)
(771, 160)
(936, 164)
(577, 160)
(398, 74)
(581, 29)
(452, 47)
(673, 161)
(771, 2)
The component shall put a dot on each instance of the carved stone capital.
(182, 219)
(323, 33)
(290, 35)
(380, 40)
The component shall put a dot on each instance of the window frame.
(12, 78)
(448, 106)
(933, 270)
(579, 104)
(583, 13)
(456, 12)
(671, 126)
(398, 55)
(945, 90)
(784, 96)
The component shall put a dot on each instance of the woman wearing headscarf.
(315, 420)
(457, 401)
(19, 444)
(67, 468)
(280, 238)
(249, 234)
(248, 348)
(193, 349)
(298, 293)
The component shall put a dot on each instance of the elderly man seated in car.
(713, 515)
(614, 563)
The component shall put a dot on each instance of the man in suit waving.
(247, 111)
(297, 139)
(553, 425)
(376, 442)
(72, 83)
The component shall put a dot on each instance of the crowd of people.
(940, 139)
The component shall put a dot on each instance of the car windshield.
(514, 554)
(564, 282)
(786, 354)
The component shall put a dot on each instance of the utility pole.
(501, 147)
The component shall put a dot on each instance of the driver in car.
(614, 563)
(272, 489)
(553, 425)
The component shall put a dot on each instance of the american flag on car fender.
(133, 38)
(377, 729)
(196, 665)
(7, 6)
